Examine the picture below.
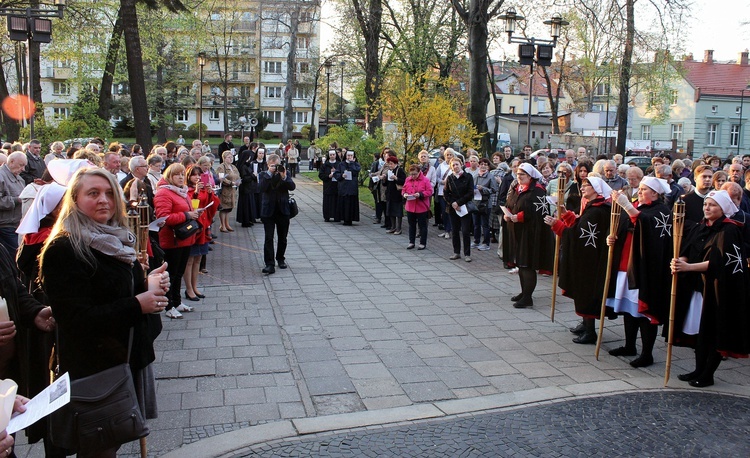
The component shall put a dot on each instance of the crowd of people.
(521, 203)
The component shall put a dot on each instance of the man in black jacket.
(275, 185)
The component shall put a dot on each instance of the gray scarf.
(181, 191)
(114, 241)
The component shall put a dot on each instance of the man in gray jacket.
(11, 185)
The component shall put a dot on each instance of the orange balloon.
(18, 107)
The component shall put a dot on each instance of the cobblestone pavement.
(360, 331)
(668, 424)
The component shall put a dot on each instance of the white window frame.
(646, 132)
(60, 88)
(60, 112)
(214, 115)
(673, 96)
(181, 115)
(676, 131)
(301, 93)
(714, 109)
(712, 134)
(301, 117)
(272, 67)
(272, 92)
(734, 135)
(274, 117)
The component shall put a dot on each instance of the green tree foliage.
(352, 137)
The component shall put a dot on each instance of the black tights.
(527, 276)
(648, 333)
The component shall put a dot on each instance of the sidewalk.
(361, 332)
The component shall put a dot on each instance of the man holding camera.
(275, 185)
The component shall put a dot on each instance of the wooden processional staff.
(561, 183)
(614, 221)
(678, 224)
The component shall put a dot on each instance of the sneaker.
(398, 232)
(441, 235)
(474, 244)
(174, 314)
(184, 308)
(513, 270)
(483, 247)
(447, 235)
(467, 259)
(454, 256)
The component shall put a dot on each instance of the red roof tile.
(717, 78)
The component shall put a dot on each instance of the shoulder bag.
(103, 411)
(293, 207)
(184, 230)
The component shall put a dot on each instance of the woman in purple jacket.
(417, 191)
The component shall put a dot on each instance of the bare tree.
(369, 14)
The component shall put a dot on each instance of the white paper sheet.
(462, 211)
(154, 226)
(52, 398)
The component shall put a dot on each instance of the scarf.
(115, 241)
(181, 191)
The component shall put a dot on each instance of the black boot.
(648, 337)
(527, 277)
(589, 334)
(706, 378)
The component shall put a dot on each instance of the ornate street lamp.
(341, 118)
(328, 64)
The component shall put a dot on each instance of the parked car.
(642, 162)
(435, 153)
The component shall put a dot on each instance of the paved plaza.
(362, 345)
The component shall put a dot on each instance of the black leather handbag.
(185, 230)
(103, 411)
(293, 208)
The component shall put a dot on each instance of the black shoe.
(690, 376)
(523, 303)
(377, 221)
(282, 265)
(385, 226)
(623, 351)
(578, 330)
(441, 227)
(202, 296)
(645, 361)
(247, 224)
(517, 297)
(698, 383)
(191, 298)
(586, 338)
(268, 270)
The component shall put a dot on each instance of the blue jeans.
(9, 239)
(443, 211)
(481, 226)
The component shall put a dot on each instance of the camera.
(280, 168)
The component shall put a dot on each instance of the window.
(271, 67)
(512, 110)
(711, 137)
(245, 91)
(301, 93)
(272, 92)
(184, 89)
(734, 135)
(61, 63)
(512, 88)
(303, 42)
(602, 89)
(714, 109)
(61, 88)
(677, 132)
(646, 132)
(273, 43)
(737, 110)
(305, 16)
(214, 115)
(303, 67)
(533, 134)
(274, 117)
(300, 117)
(60, 113)
(673, 98)
(651, 99)
(181, 115)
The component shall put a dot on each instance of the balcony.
(60, 73)
(217, 101)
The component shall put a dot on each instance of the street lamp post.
(530, 46)
(328, 64)
(341, 100)
(606, 123)
(739, 128)
(202, 63)
(315, 98)
(31, 25)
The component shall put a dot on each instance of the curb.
(226, 445)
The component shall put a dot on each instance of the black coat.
(532, 240)
(583, 257)
(330, 187)
(95, 309)
(459, 190)
(275, 194)
(392, 193)
(348, 187)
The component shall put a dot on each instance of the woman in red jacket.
(204, 195)
(171, 201)
(417, 191)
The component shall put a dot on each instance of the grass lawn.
(365, 196)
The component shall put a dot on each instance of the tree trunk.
(11, 128)
(161, 121)
(370, 24)
(479, 95)
(105, 89)
(135, 74)
(291, 76)
(625, 70)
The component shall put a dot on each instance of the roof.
(721, 79)
(522, 75)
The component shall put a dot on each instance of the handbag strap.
(56, 371)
